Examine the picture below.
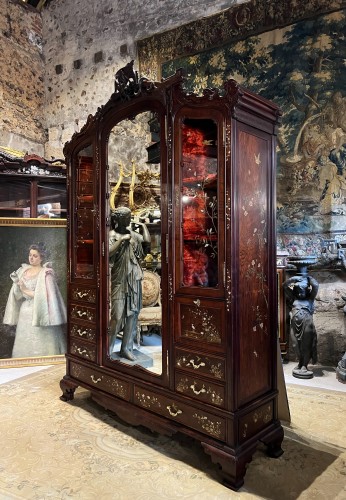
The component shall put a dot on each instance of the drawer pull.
(81, 332)
(175, 411)
(82, 294)
(195, 391)
(95, 380)
(82, 351)
(81, 313)
(192, 362)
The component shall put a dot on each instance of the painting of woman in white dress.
(36, 307)
(33, 292)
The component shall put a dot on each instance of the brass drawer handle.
(196, 391)
(175, 411)
(192, 361)
(84, 351)
(95, 380)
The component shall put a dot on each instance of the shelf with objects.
(33, 211)
(183, 186)
(31, 186)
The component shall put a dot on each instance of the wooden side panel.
(253, 171)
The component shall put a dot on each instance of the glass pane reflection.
(199, 207)
(135, 320)
(84, 256)
(51, 200)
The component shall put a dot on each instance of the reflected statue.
(301, 291)
(341, 370)
(126, 250)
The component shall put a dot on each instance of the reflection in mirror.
(135, 243)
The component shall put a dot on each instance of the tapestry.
(301, 67)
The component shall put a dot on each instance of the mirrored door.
(135, 253)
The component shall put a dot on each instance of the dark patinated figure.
(301, 292)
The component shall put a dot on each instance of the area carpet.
(77, 450)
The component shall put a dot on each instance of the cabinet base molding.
(233, 464)
(68, 387)
(232, 461)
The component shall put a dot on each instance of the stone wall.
(86, 42)
(22, 82)
(330, 318)
(47, 90)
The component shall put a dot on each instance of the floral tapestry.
(302, 68)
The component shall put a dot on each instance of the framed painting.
(33, 295)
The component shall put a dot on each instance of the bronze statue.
(126, 250)
(301, 291)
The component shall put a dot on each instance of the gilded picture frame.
(17, 237)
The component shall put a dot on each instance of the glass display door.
(199, 191)
(136, 260)
(199, 207)
(84, 215)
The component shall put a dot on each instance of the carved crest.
(127, 82)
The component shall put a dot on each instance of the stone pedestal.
(302, 373)
(141, 359)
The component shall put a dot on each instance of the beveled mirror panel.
(135, 319)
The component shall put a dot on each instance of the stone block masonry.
(87, 41)
(22, 77)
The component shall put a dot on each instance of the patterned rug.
(77, 450)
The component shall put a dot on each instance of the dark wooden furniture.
(213, 375)
(31, 186)
(283, 318)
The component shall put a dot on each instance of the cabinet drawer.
(255, 421)
(209, 366)
(84, 332)
(83, 293)
(84, 313)
(202, 421)
(83, 349)
(95, 378)
(201, 321)
(199, 389)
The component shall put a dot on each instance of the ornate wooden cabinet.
(201, 169)
(31, 186)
